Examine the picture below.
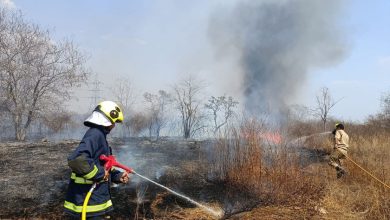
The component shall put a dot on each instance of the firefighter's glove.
(124, 178)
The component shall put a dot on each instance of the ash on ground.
(35, 177)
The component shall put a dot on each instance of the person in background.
(340, 149)
(87, 168)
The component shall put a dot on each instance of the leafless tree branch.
(34, 70)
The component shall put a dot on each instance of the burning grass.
(242, 173)
(271, 173)
(278, 176)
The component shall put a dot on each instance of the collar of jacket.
(103, 129)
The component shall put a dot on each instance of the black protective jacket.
(87, 169)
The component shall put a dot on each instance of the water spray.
(110, 162)
(215, 213)
(302, 138)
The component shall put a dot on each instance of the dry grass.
(274, 175)
(358, 196)
(270, 176)
(269, 172)
(275, 213)
(175, 211)
(354, 201)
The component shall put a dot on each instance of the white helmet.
(105, 114)
(98, 118)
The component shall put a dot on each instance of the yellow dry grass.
(286, 190)
(358, 195)
(314, 189)
(275, 213)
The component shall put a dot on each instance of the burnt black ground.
(34, 177)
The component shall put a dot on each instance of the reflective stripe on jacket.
(87, 169)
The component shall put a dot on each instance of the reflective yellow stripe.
(92, 173)
(80, 180)
(90, 208)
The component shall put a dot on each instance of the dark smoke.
(276, 44)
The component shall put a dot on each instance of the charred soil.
(35, 178)
(300, 186)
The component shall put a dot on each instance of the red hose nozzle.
(110, 161)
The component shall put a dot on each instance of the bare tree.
(36, 73)
(298, 113)
(384, 115)
(138, 122)
(157, 107)
(385, 104)
(189, 105)
(221, 105)
(57, 121)
(325, 103)
(124, 94)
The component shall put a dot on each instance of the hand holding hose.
(110, 162)
(124, 178)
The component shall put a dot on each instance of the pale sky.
(153, 43)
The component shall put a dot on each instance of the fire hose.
(367, 172)
(109, 163)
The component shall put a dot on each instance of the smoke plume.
(276, 44)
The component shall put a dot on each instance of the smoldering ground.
(276, 44)
(35, 178)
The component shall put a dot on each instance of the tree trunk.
(20, 130)
(158, 132)
(20, 133)
(150, 132)
(324, 126)
(187, 134)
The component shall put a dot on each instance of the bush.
(246, 161)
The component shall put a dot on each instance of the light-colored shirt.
(341, 139)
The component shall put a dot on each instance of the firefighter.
(87, 168)
(340, 148)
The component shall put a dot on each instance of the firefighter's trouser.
(335, 157)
